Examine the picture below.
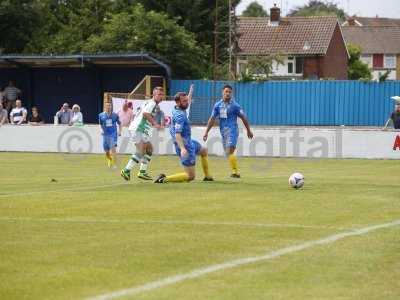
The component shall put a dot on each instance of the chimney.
(275, 15)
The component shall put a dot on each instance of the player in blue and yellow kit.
(185, 147)
(228, 111)
(108, 121)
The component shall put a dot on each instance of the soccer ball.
(296, 180)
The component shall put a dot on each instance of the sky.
(363, 8)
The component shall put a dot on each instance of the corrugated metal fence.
(308, 103)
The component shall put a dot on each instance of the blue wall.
(312, 103)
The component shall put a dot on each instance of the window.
(290, 67)
(290, 64)
(377, 61)
(390, 61)
(299, 65)
(367, 59)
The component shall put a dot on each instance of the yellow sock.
(204, 165)
(234, 164)
(180, 177)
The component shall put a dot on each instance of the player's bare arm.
(190, 94)
(150, 118)
(210, 124)
(179, 141)
(247, 125)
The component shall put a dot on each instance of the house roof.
(365, 21)
(293, 35)
(373, 39)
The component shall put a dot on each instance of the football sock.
(133, 161)
(180, 177)
(204, 165)
(234, 164)
(145, 163)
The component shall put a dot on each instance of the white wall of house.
(287, 69)
(389, 63)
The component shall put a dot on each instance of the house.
(311, 47)
(379, 40)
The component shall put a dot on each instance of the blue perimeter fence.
(298, 103)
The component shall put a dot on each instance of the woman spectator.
(77, 117)
(35, 118)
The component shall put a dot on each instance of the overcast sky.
(364, 8)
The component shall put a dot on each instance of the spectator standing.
(18, 114)
(11, 94)
(3, 115)
(125, 115)
(64, 115)
(160, 117)
(394, 118)
(35, 118)
(77, 117)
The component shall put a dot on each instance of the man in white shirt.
(18, 114)
(141, 131)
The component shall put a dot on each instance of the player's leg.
(233, 162)
(106, 148)
(135, 158)
(202, 151)
(113, 151)
(188, 164)
(144, 163)
(189, 174)
(229, 141)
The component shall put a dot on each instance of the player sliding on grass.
(141, 129)
(108, 121)
(185, 147)
(227, 110)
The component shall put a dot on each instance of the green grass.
(89, 233)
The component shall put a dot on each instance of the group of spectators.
(12, 111)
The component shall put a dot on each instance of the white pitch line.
(62, 190)
(165, 222)
(239, 262)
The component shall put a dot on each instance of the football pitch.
(70, 228)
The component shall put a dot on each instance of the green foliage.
(356, 68)
(384, 76)
(319, 8)
(254, 9)
(75, 26)
(138, 30)
(18, 21)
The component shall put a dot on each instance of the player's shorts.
(193, 149)
(109, 142)
(229, 137)
(139, 137)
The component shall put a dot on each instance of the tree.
(18, 20)
(319, 8)
(254, 9)
(67, 25)
(356, 68)
(138, 30)
(260, 67)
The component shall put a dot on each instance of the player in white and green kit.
(141, 130)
